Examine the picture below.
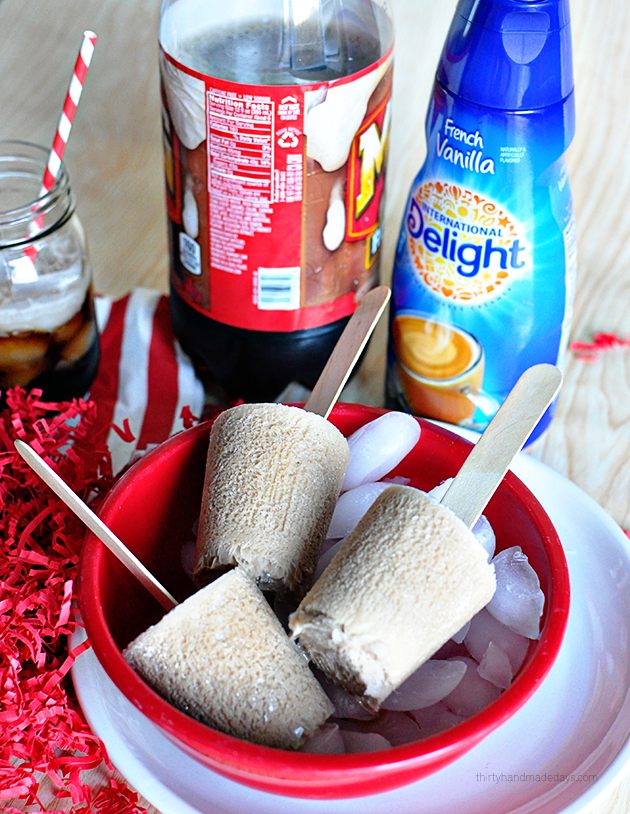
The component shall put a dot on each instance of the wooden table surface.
(115, 162)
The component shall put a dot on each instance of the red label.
(274, 204)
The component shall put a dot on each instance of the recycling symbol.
(288, 138)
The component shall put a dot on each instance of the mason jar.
(48, 334)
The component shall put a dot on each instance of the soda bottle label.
(484, 275)
(275, 194)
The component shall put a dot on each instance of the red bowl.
(153, 507)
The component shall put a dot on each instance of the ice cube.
(482, 529)
(473, 693)
(485, 535)
(351, 507)
(518, 600)
(430, 683)
(438, 492)
(364, 741)
(396, 480)
(45, 301)
(449, 649)
(326, 557)
(188, 557)
(379, 446)
(484, 628)
(459, 637)
(327, 740)
(435, 719)
(396, 727)
(329, 542)
(399, 728)
(495, 667)
(345, 705)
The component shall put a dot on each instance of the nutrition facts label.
(241, 171)
(288, 183)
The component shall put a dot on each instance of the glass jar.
(48, 334)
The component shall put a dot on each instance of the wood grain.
(347, 351)
(115, 161)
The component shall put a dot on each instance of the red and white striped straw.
(28, 273)
(69, 108)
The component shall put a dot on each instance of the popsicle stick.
(502, 440)
(95, 524)
(347, 351)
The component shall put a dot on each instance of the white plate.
(566, 747)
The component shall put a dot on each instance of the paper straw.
(24, 271)
(69, 109)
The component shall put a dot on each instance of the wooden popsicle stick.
(95, 524)
(502, 440)
(347, 351)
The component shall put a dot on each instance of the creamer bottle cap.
(509, 54)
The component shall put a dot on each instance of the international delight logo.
(464, 247)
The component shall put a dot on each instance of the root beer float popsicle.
(274, 473)
(412, 574)
(406, 579)
(273, 477)
(223, 657)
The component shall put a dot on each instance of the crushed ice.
(518, 600)
(364, 741)
(430, 683)
(484, 628)
(495, 667)
(485, 535)
(379, 446)
(435, 719)
(351, 507)
(328, 740)
(482, 529)
(326, 558)
(473, 693)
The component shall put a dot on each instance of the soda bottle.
(276, 118)
(485, 266)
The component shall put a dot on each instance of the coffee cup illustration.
(440, 368)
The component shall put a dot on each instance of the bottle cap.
(509, 54)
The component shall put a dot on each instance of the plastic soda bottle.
(276, 119)
(485, 265)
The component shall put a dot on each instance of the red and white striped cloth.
(144, 378)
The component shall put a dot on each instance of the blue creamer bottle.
(485, 265)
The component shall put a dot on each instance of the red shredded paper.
(43, 734)
(589, 351)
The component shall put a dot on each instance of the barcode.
(279, 289)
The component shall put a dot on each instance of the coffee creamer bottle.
(485, 266)
(276, 119)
